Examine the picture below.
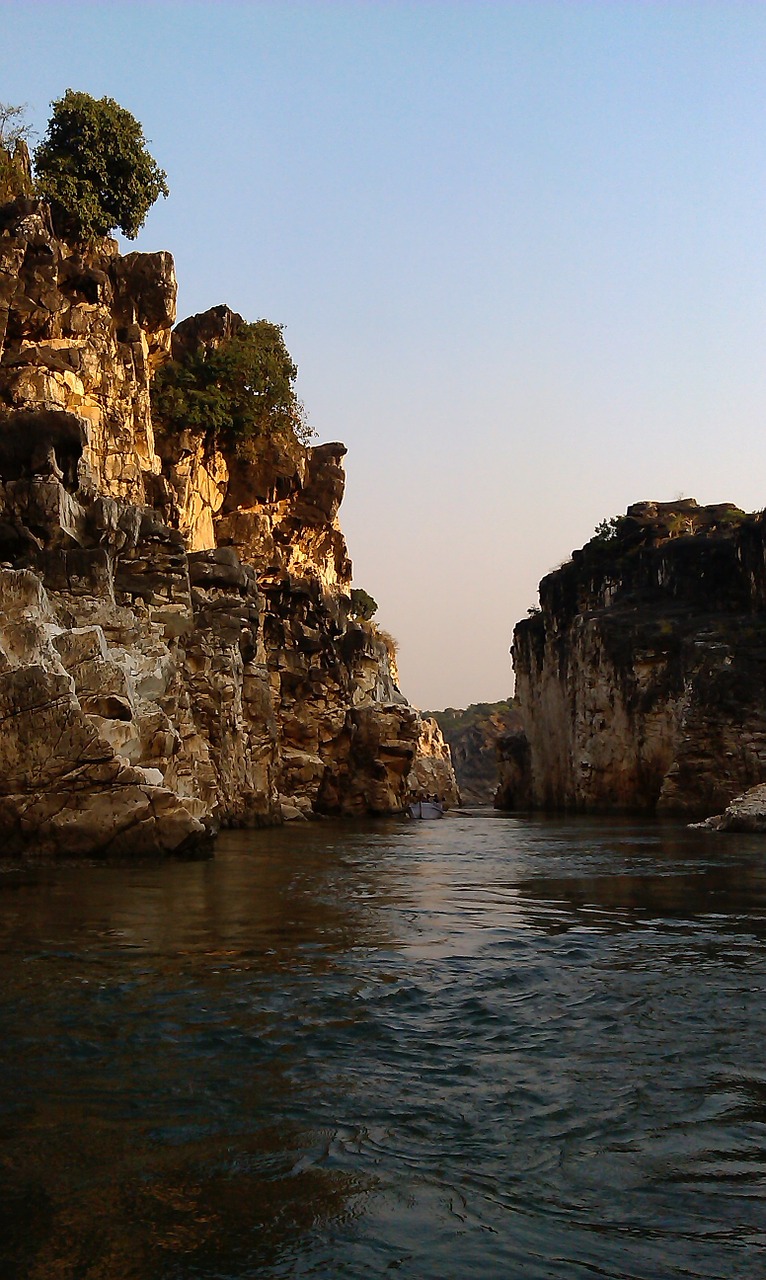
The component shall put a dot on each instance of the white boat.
(426, 809)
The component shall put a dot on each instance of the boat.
(426, 809)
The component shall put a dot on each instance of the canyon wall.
(641, 679)
(176, 650)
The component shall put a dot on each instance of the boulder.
(745, 813)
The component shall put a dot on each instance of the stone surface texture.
(176, 651)
(642, 678)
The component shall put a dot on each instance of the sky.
(519, 251)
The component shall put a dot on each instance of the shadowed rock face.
(642, 679)
(175, 649)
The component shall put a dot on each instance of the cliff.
(472, 736)
(175, 644)
(641, 680)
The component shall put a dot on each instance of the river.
(478, 1048)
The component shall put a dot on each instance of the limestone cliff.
(175, 645)
(642, 678)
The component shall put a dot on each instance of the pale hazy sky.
(519, 250)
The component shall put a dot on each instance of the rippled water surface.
(474, 1048)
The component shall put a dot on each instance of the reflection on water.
(478, 1048)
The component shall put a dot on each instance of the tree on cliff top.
(94, 167)
(233, 392)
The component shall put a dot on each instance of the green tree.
(362, 604)
(94, 167)
(234, 392)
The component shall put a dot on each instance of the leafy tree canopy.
(362, 604)
(234, 392)
(93, 164)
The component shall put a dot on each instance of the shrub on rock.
(233, 390)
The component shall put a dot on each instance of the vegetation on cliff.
(94, 167)
(233, 391)
(648, 523)
(14, 127)
(362, 604)
(453, 719)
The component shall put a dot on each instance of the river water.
(476, 1048)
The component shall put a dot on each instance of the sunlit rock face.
(432, 772)
(347, 741)
(642, 678)
(276, 505)
(293, 528)
(81, 332)
(175, 646)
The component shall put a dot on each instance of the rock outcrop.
(642, 678)
(746, 813)
(175, 644)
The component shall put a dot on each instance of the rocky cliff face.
(80, 336)
(175, 646)
(642, 678)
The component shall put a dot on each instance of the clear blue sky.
(519, 250)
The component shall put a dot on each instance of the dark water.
(477, 1048)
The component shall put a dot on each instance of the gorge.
(178, 645)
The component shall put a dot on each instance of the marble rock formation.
(175, 646)
(642, 678)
